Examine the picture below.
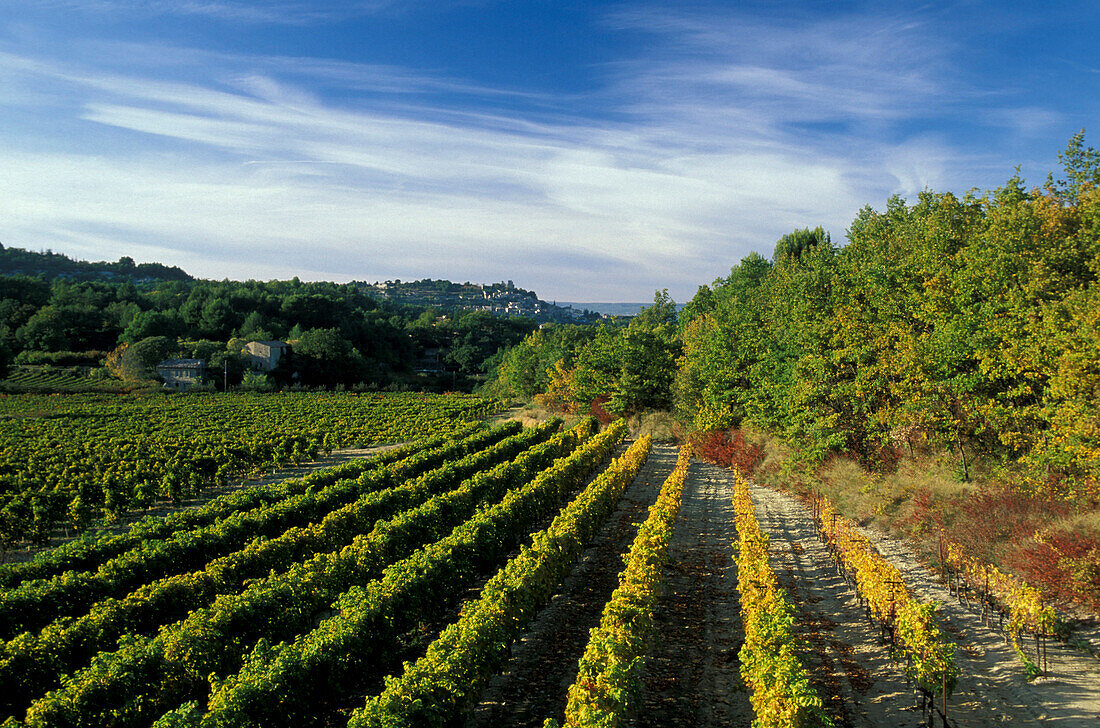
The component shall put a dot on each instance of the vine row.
(33, 604)
(608, 684)
(1006, 594)
(781, 692)
(908, 624)
(279, 686)
(91, 550)
(130, 686)
(32, 662)
(457, 666)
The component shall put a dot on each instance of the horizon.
(603, 150)
(367, 282)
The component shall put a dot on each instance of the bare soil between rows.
(844, 654)
(692, 676)
(692, 673)
(851, 667)
(543, 665)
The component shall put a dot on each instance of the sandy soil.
(544, 663)
(845, 657)
(853, 671)
(692, 676)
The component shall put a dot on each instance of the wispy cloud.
(855, 68)
(731, 130)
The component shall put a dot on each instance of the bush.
(61, 358)
(597, 410)
(1063, 563)
(729, 449)
(256, 382)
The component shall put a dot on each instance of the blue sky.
(588, 151)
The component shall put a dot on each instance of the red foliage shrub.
(995, 518)
(728, 449)
(596, 409)
(1010, 526)
(926, 515)
(1066, 565)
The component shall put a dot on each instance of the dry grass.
(1082, 523)
(659, 425)
(887, 499)
(531, 414)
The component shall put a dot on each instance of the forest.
(966, 320)
(120, 329)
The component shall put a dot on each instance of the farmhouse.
(265, 355)
(181, 374)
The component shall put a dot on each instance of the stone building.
(181, 374)
(265, 355)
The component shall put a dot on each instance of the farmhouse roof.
(182, 363)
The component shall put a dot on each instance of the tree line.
(340, 335)
(967, 321)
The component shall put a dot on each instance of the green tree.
(253, 381)
(798, 243)
(138, 361)
(524, 368)
(647, 366)
(1081, 165)
(154, 323)
(68, 328)
(323, 357)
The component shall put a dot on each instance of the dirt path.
(544, 663)
(847, 663)
(692, 675)
(853, 672)
(994, 686)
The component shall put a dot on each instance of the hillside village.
(500, 299)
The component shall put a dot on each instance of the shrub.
(1065, 564)
(729, 449)
(994, 519)
(253, 381)
(597, 410)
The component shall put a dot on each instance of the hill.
(501, 299)
(16, 261)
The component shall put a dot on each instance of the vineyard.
(70, 461)
(475, 576)
(49, 379)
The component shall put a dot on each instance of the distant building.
(181, 374)
(265, 355)
(430, 362)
